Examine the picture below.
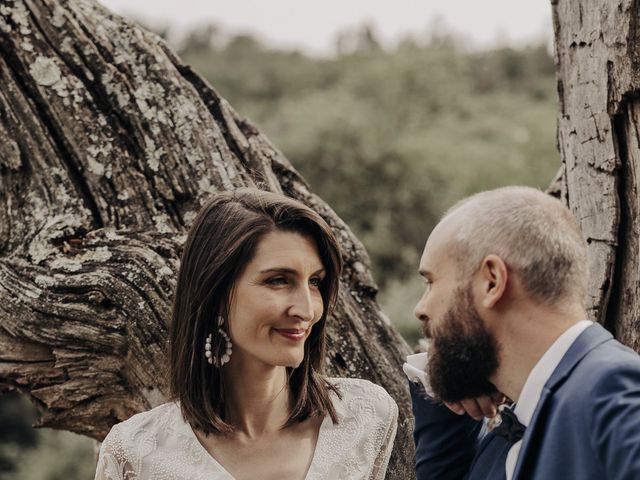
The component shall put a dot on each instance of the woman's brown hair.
(222, 241)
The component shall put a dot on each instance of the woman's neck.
(257, 397)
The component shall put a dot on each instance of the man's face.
(463, 354)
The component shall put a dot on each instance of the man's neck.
(524, 338)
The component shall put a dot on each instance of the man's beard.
(463, 354)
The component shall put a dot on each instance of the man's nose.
(419, 311)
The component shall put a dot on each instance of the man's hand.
(479, 407)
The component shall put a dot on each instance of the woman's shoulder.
(358, 386)
(154, 444)
(162, 417)
(357, 395)
(358, 442)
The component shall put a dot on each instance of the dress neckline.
(218, 465)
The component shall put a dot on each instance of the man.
(504, 310)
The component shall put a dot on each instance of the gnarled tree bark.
(597, 45)
(108, 147)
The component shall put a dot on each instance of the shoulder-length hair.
(222, 241)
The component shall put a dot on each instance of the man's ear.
(493, 278)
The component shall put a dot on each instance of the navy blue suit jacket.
(586, 425)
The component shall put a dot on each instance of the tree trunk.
(597, 45)
(109, 145)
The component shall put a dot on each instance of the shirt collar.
(543, 370)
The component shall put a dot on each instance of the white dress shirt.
(536, 380)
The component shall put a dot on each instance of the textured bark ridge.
(598, 76)
(108, 147)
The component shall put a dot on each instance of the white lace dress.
(160, 445)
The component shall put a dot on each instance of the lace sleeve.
(382, 459)
(113, 463)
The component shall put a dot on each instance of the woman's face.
(276, 301)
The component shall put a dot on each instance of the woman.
(258, 277)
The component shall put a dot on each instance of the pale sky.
(312, 26)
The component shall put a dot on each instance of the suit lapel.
(586, 341)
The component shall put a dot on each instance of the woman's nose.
(303, 305)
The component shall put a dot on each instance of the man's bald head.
(534, 234)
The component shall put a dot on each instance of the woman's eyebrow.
(278, 270)
(287, 270)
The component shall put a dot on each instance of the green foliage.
(16, 434)
(60, 456)
(44, 454)
(390, 139)
(397, 300)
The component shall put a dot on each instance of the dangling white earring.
(226, 356)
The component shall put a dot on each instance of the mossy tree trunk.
(108, 147)
(597, 53)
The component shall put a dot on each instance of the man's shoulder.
(594, 417)
(610, 365)
(608, 357)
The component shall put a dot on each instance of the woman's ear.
(493, 277)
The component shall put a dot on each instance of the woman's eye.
(277, 281)
(316, 281)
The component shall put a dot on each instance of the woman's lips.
(295, 334)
